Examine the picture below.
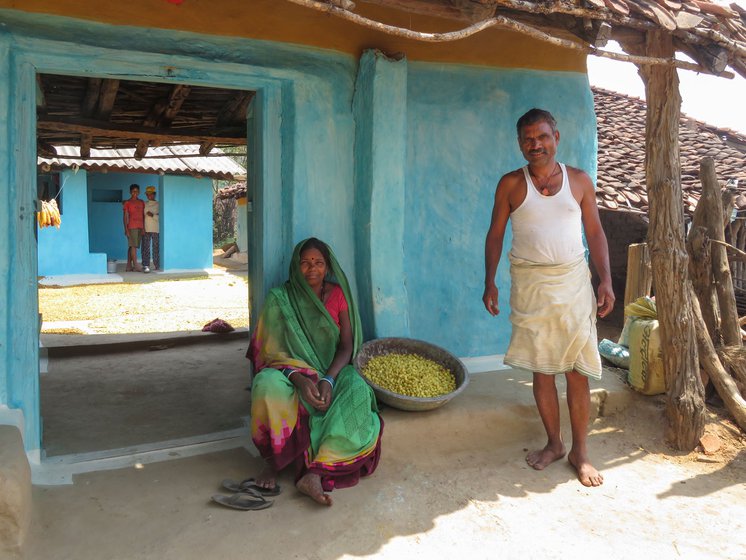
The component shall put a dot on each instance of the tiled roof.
(621, 154)
(234, 190)
(169, 160)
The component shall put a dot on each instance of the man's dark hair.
(134, 186)
(534, 116)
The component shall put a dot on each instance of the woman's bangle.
(287, 372)
(329, 379)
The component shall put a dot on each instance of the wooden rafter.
(162, 114)
(226, 135)
(45, 149)
(106, 98)
(90, 100)
(234, 111)
(85, 144)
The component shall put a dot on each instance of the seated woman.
(310, 409)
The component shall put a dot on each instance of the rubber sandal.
(244, 501)
(250, 485)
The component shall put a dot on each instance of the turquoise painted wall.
(380, 109)
(106, 218)
(66, 250)
(186, 222)
(461, 140)
(408, 152)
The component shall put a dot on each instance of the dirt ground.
(155, 303)
(447, 486)
(456, 489)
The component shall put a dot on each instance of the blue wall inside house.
(186, 222)
(106, 228)
(456, 124)
(66, 250)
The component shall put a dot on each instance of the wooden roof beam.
(45, 149)
(90, 100)
(85, 144)
(162, 114)
(106, 99)
(176, 99)
(235, 108)
(235, 135)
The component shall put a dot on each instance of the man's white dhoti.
(553, 312)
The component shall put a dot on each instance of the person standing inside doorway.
(134, 217)
(151, 237)
(553, 307)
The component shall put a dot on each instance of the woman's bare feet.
(587, 473)
(539, 459)
(310, 485)
(267, 478)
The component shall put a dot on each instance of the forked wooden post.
(639, 273)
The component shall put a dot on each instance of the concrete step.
(59, 345)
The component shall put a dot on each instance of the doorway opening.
(127, 364)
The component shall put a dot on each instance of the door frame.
(264, 140)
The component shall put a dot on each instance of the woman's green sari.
(296, 331)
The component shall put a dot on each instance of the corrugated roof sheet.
(168, 160)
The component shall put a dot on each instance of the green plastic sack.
(646, 373)
(641, 308)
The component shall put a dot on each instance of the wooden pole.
(724, 383)
(639, 273)
(713, 220)
(700, 271)
(685, 407)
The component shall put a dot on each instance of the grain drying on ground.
(159, 306)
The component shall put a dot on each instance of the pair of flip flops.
(248, 496)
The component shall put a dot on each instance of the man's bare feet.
(310, 485)
(539, 459)
(587, 473)
(267, 478)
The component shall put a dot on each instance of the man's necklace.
(544, 188)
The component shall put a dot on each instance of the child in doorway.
(151, 238)
(134, 213)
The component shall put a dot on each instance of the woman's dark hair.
(134, 186)
(320, 246)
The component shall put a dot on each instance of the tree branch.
(505, 23)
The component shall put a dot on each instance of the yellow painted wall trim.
(277, 20)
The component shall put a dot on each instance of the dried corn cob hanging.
(49, 215)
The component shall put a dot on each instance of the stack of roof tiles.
(621, 155)
(234, 190)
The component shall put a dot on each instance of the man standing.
(134, 213)
(151, 236)
(551, 298)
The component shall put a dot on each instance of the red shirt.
(336, 302)
(136, 210)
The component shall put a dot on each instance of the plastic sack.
(646, 373)
(642, 308)
(615, 353)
